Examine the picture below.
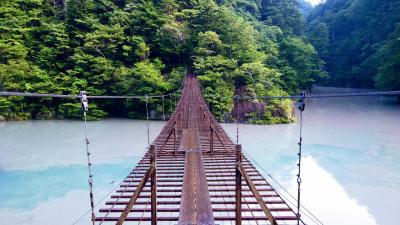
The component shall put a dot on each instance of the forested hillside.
(360, 42)
(138, 47)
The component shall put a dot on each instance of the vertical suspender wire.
(163, 105)
(237, 118)
(90, 180)
(175, 99)
(85, 108)
(300, 106)
(221, 111)
(170, 105)
(147, 120)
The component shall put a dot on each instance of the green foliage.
(215, 76)
(136, 47)
(209, 43)
(284, 14)
(279, 111)
(319, 37)
(359, 34)
(74, 111)
(388, 76)
(304, 64)
(276, 111)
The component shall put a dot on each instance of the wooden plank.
(217, 218)
(195, 207)
(230, 209)
(196, 182)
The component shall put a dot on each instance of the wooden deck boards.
(195, 185)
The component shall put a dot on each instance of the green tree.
(358, 30)
(284, 14)
(135, 47)
(388, 76)
(318, 35)
(304, 64)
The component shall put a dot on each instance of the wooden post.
(238, 208)
(175, 150)
(153, 185)
(211, 140)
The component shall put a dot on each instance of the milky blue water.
(351, 164)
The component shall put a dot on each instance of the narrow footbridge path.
(194, 174)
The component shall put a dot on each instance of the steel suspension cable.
(33, 94)
(147, 121)
(163, 105)
(106, 193)
(85, 108)
(355, 94)
(221, 111)
(237, 118)
(316, 96)
(301, 106)
(175, 100)
(30, 94)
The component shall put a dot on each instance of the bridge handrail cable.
(311, 96)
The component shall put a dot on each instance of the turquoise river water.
(351, 164)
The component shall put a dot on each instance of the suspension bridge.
(193, 173)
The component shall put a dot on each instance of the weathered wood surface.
(195, 207)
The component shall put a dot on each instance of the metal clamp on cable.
(84, 101)
(301, 102)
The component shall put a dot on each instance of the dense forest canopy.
(359, 40)
(138, 47)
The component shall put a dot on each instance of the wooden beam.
(219, 138)
(153, 185)
(257, 195)
(135, 195)
(166, 140)
(238, 205)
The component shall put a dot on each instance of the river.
(350, 167)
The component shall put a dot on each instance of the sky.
(315, 2)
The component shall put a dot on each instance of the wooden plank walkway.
(196, 176)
